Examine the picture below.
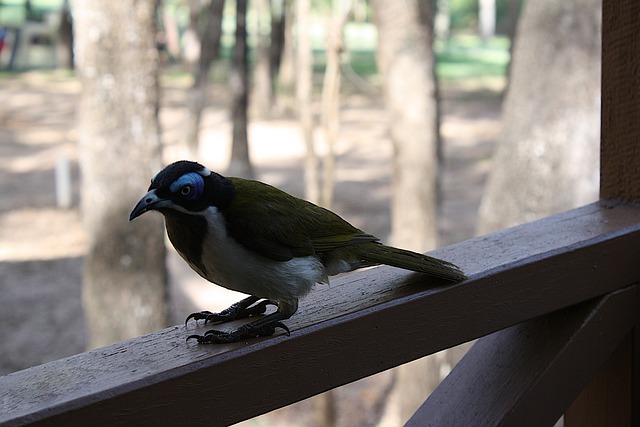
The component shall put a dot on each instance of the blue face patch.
(190, 185)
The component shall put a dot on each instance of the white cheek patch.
(205, 172)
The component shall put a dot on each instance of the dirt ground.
(41, 246)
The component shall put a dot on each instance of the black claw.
(196, 337)
(198, 316)
(247, 331)
(217, 317)
(236, 311)
(283, 326)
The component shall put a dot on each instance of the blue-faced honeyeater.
(254, 238)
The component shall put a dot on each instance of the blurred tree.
(263, 98)
(209, 35)
(411, 101)
(487, 18)
(407, 63)
(124, 289)
(170, 31)
(278, 32)
(192, 34)
(64, 42)
(442, 19)
(286, 76)
(331, 94)
(304, 91)
(547, 154)
(510, 14)
(240, 164)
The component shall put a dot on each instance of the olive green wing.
(279, 226)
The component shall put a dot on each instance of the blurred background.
(422, 122)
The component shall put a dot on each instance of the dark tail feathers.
(401, 258)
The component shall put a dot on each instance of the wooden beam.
(606, 401)
(619, 180)
(361, 324)
(529, 373)
(620, 147)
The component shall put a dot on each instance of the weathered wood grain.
(620, 142)
(361, 324)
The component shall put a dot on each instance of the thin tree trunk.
(286, 98)
(191, 36)
(278, 34)
(304, 91)
(263, 86)
(240, 164)
(124, 287)
(64, 43)
(487, 18)
(197, 96)
(331, 96)
(171, 33)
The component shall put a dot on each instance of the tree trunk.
(171, 32)
(124, 289)
(286, 82)
(442, 19)
(278, 34)
(263, 84)
(410, 92)
(547, 154)
(197, 96)
(487, 18)
(407, 63)
(304, 91)
(240, 164)
(64, 43)
(191, 36)
(331, 96)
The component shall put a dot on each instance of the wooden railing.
(568, 283)
(556, 301)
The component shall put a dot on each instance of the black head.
(186, 187)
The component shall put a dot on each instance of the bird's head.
(186, 187)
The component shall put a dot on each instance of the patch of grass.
(464, 57)
(459, 58)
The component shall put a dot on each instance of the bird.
(254, 238)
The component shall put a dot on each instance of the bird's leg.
(239, 310)
(260, 328)
(263, 327)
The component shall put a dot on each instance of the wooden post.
(614, 389)
(620, 148)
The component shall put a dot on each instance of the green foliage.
(463, 14)
(14, 12)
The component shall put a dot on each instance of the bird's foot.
(239, 310)
(247, 331)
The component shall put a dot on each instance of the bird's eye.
(189, 186)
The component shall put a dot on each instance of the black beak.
(149, 202)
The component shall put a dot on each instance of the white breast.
(230, 265)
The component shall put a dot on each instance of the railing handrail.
(361, 324)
